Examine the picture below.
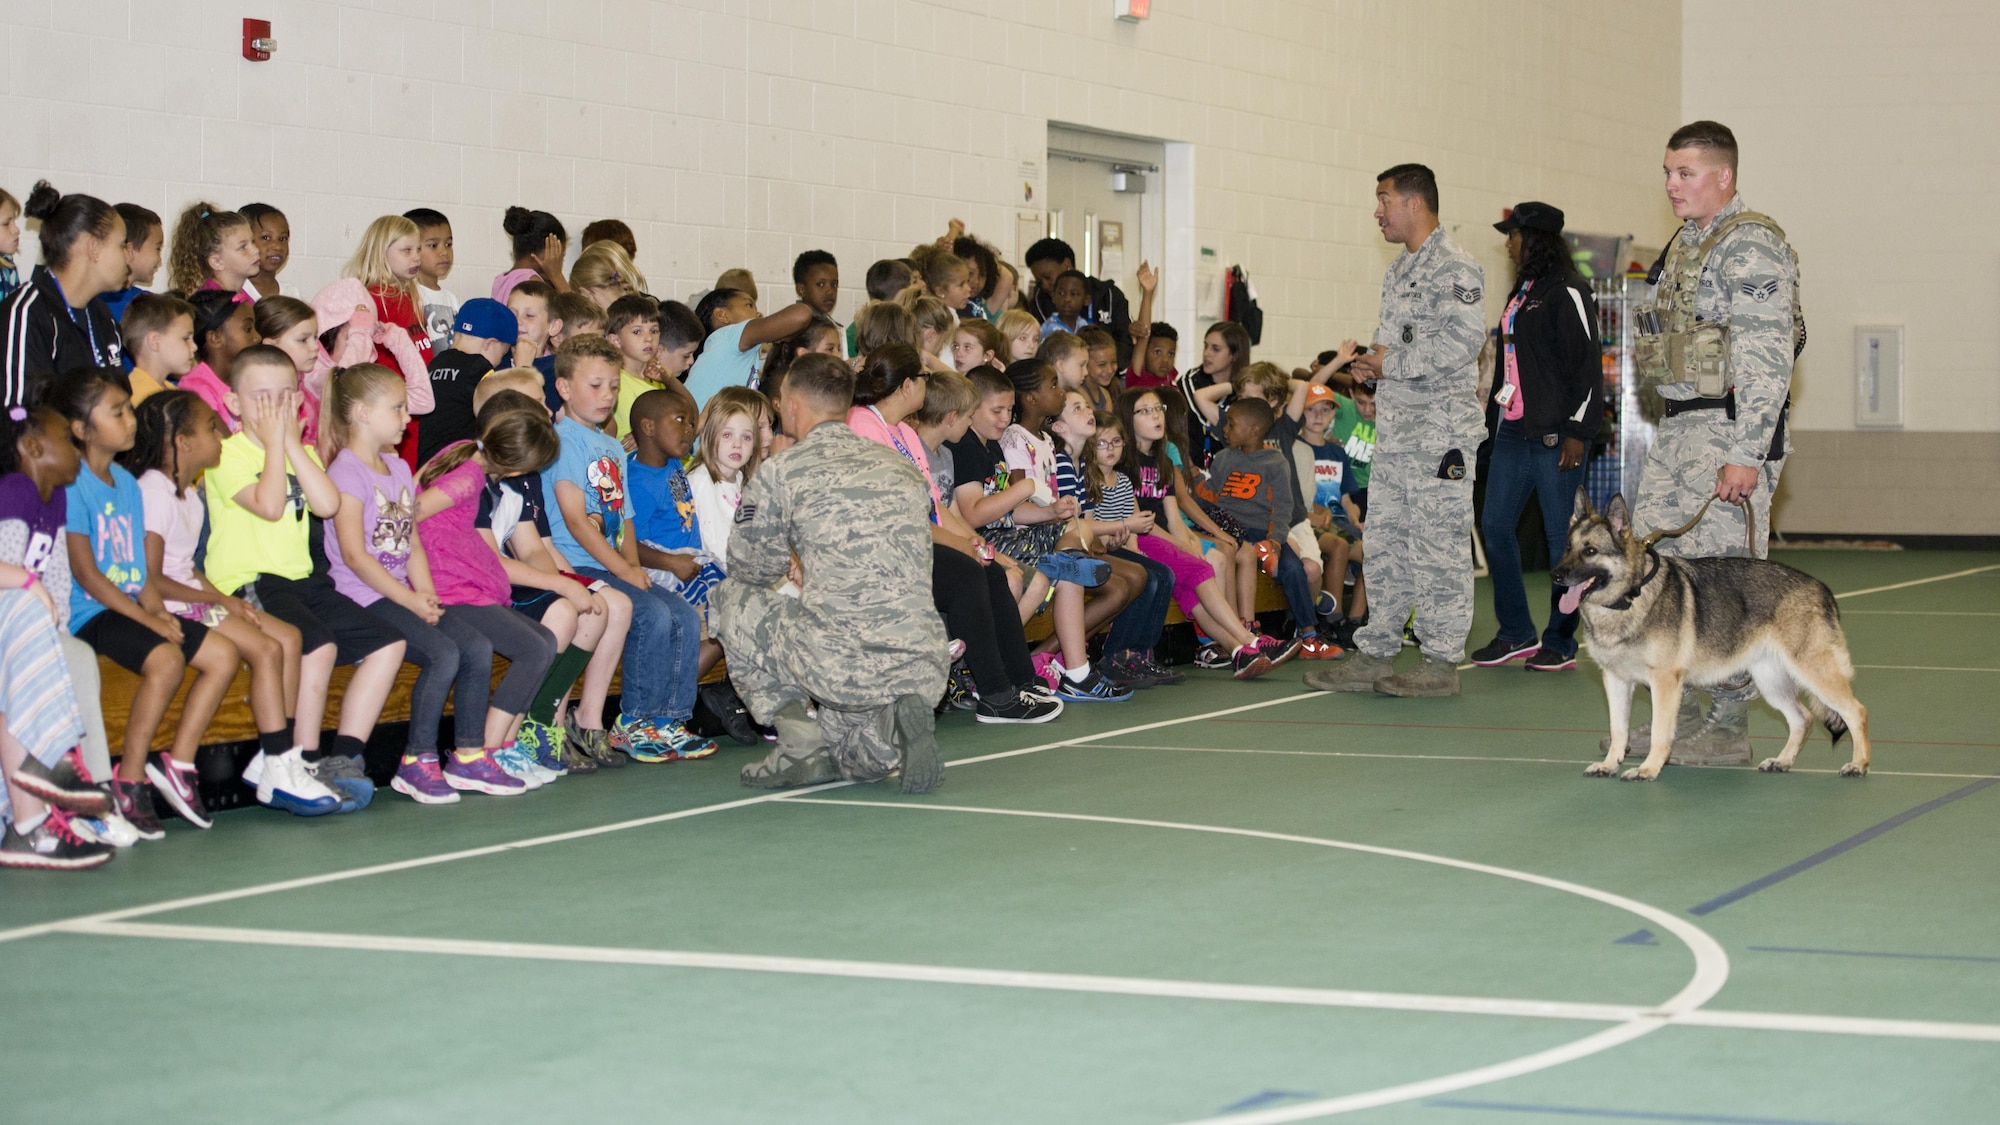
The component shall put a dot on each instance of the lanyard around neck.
(89, 330)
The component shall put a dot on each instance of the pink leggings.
(1189, 572)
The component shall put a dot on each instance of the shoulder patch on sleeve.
(1762, 292)
(1470, 294)
(746, 511)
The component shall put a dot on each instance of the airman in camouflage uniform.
(1718, 342)
(862, 638)
(1428, 426)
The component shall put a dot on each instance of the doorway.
(1107, 198)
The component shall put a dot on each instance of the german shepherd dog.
(1665, 622)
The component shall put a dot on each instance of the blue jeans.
(1137, 627)
(661, 652)
(1521, 467)
(1298, 592)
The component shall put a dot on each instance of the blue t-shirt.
(663, 506)
(1331, 476)
(596, 464)
(114, 517)
(723, 363)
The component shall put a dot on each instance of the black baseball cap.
(1533, 216)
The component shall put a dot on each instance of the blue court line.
(1621, 1114)
(1841, 848)
(1873, 953)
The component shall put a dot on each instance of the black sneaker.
(64, 785)
(135, 804)
(1161, 674)
(1548, 660)
(722, 701)
(180, 786)
(1026, 709)
(1127, 670)
(51, 846)
(1281, 651)
(958, 689)
(1250, 662)
(1500, 650)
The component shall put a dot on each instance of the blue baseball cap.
(488, 319)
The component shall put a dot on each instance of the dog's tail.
(1835, 725)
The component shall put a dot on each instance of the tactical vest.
(1673, 346)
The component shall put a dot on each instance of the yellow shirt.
(144, 386)
(630, 387)
(242, 544)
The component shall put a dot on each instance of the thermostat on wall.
(1878, 376)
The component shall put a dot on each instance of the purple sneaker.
(481, 775)
(420, 779)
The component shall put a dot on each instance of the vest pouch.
(1706, 359)
(1649, 360)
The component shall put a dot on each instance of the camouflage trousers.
(1688, 450)
(1419, 541)
(774, 661)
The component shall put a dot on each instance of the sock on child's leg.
(1077, 674)
(348, 746)
(563, 674)
(275, 742)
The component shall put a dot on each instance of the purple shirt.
(31, 535)
(388, 521)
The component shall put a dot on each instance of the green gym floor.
(1219, 902)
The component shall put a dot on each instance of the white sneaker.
(253, 774)
(515, 763)
(109, 829)
(286, 782)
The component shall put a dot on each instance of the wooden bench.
(233, 723)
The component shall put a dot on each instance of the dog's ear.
(1583, 510)
(1619, 515)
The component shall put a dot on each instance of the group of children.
(224, 475)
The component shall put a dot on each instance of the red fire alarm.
(257, 41)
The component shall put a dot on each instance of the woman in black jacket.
(1545, 407)
(58, 322)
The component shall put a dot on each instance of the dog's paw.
(1640, 773)
(1599, 769)
(1774, 765)
(1852, 770)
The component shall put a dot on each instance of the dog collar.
(1625, 600)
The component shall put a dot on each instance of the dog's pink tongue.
(1573, 595)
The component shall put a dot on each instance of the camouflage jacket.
(1750, 282)
(857, 515)
(1433, 323)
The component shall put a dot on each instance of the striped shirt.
(1116, 503)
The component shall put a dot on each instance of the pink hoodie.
(346, 303)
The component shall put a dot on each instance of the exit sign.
(1132, 10)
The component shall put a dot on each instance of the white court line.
(1843, 1025)
(1494, 758)
(578, 834)
(1711, 963)
(880, 970)
(1052, 982)
(1918, 581)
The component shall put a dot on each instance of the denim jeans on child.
(662, 651)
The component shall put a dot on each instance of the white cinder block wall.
(1869, 133)
(740, 132)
